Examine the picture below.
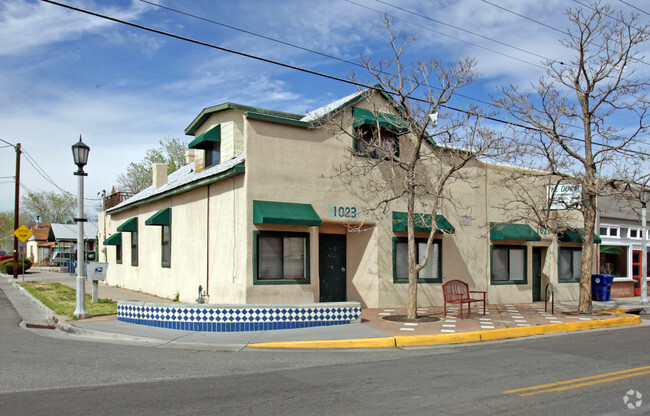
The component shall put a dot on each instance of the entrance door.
(636, 271)
(331, 260)
(537, 274)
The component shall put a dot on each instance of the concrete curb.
(466, 337)
(47, 313)
(356, 343)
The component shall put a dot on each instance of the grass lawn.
(62, 299)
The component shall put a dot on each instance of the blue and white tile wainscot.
(237, 318)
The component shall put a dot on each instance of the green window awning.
(114, 240)
(162, 217)
(523, 232)
(129, 226)
(422, 223)
(268, 212)
(573, 237)
(388, 121)
(205, 140)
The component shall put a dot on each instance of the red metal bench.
(457, 292)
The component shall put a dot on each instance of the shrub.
(7, 266)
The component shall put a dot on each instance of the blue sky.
(63, 73)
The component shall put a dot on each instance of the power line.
(525, 17)
(292, 45)
(634, 7)
(47, 177)
(445, 34)
(8, 144)
(311, 72)
(564, 32)
(464, 30)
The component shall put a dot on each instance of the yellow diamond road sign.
(23, 233)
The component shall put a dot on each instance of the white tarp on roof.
(69, 232)
(182, 176)
(326, 109)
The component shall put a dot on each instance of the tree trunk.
(412, 301)
(589, 212)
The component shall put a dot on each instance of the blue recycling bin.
(601, 287)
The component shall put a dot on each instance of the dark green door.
(537, 274)
(331, 260)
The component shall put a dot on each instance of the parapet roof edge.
(207, 112)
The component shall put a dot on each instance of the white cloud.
(26, 26)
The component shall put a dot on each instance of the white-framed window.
(612, 231)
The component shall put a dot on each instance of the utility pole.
(16, 210)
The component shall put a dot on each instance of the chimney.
(190, 155)
(159, 174)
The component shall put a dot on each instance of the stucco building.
(260, 214)
(620, 253)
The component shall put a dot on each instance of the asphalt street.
(43, 372)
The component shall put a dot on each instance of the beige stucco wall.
(188, 254)
(213, 230)
(227, 248)
(292, 164)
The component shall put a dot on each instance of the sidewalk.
(380, 328)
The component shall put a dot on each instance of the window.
(569, 264)
(612, 231)
(118, 254)
(376, 142)
(212, 154)
(634, 233)
(613, 260)
(431, 272)
(281, 257)
(134, 248)
(508, 264)
(166, 246)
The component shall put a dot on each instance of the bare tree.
(415, 154)
(574, 111)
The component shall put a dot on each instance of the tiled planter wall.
(229, 318)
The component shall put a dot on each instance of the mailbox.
(96, 270)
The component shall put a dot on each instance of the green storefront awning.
(268, 212)
(129, 226)
(114, 240)
(422, 223)
(162, 217)
(572, 237)
(204, 140)
(523, 232)
(387, 121)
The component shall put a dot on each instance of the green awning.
(204, 140)
(267, 212)
(422, 223)
(162, 217)
(388, 121)
(114, 240)
(523, 232)
(129, 226)
(572, 237)
(613, 250)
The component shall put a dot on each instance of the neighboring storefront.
(620, 253)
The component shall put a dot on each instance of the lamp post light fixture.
(80, 154)
(645, 198)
